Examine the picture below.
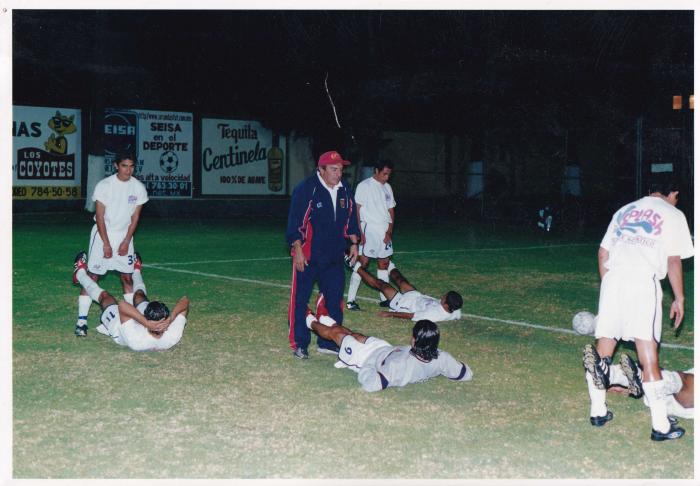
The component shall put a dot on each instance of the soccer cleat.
(600, 421)
(631, 371)
(598, 367)
(81, 331)
(674, 432)
(79, 262)
(347, 260)
(384, 303)
(137, 261)
(301, 353)
(353, 306)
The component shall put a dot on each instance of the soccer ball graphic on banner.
(168, 161)
(584, 323)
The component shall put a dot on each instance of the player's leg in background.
(331, 282)
(300, 292)
(335, 333)
(385, 288)
(354, 285)
(686, 395)
(653, 386)
(128, 287)
(383, 274)
(403, 284)
(596, 361)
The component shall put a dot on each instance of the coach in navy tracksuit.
(322, 217)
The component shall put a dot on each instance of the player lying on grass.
(144, 326)
(407, 302)
(626, 378)
(380, 365)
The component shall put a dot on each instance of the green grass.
(230, 401)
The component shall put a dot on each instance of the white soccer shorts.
(98, 264)
(374, 246)
(629, 306)
(354, 353)
(405, 302)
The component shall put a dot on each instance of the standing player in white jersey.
(143, 326)
(645, 241)
(408, 303)
(118, 201)
(375, 204)
(380, 365)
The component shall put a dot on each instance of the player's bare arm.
(675, 278)
(299, 259)
(390, 229)
(359, 223)
(603, 256)
(102, 228)
(182, 307)
(124, 245)
(128, 311)
(398, 315)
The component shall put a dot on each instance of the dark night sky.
(432, 70)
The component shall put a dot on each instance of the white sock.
(138, 283)
(90, 286)
(617, 377)
(598, 406)
(654, 391)
(354, 286)
(327, 320)
(356, 266)
(384, 276)
(672, 382)
(129, 298)
(142, 306)
(84, 302)
(310, 319)
(390, 267)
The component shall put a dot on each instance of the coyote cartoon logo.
(62, 125)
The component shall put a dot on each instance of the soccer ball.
(584, 323)
(168, 161)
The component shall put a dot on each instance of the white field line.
(160, 266)
(455, 250)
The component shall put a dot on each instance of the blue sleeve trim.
(385, 382)
(461, 373)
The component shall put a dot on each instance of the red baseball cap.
(330, 158)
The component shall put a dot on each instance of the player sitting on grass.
(626, 378)
(144, 326)
(380, 365)
(407, 302)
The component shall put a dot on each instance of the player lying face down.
(380, 365)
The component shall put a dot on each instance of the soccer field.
(230, 401)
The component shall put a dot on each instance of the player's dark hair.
(427, 338)
(156, 311)
(453, 300)
(664, 184)
(380, 164)
(124, 156)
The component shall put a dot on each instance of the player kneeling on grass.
(144, 326)
(380, 365)
(407, 302)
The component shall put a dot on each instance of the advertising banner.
(241, 157)
(161, 141)
(46, 152)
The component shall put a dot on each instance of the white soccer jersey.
(388, 365)
(376, 199)
(136, 337)
(643, 234)
(120, 199)
(422, 307)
